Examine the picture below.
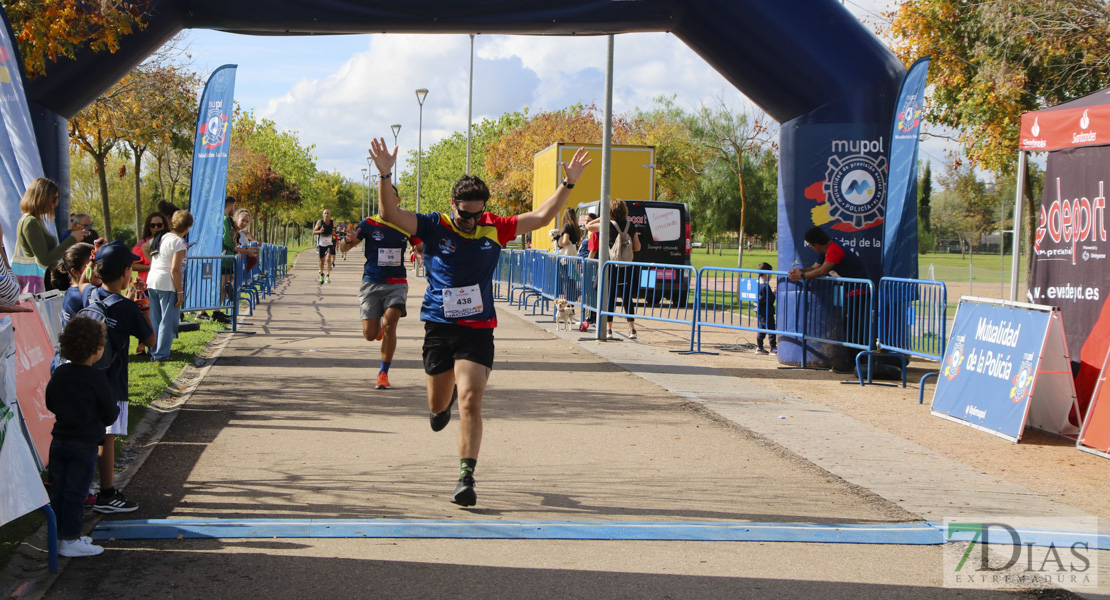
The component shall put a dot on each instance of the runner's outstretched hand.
(382, 158)
(573, 170)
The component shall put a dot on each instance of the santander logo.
(1087, 136)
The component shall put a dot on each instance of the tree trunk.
(138, 192)
(102, 176)
(740, 242)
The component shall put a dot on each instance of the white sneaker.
(77, 548)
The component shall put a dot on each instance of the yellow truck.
(632, 178)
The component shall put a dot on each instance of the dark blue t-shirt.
(125, 320)
(74, 300)
(460, 268)
(385, 250)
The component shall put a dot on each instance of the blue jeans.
(165, 317)
(72, 465)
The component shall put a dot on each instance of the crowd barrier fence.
(913, 321)
(906, 318)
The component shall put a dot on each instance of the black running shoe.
(464, 493)
(441, 419)
(115, 502)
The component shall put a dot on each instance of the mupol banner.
(900, 229)
(209, 183)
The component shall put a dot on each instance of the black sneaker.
(115, 503)
(441, 419)
(220, 317)
(464, 493)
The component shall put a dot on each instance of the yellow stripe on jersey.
(378, 219)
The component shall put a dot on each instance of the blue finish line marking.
(918, 534)
(898, 533)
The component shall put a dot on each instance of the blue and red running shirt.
(460, 268)
(385, 250)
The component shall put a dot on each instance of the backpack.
(97, 310)
(621, 249)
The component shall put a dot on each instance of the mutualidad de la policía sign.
(1006, 366)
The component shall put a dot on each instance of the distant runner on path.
(324, 230)
(460, 255)
(385, 287)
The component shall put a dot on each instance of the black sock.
(466, 467)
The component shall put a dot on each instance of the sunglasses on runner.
(469, 215)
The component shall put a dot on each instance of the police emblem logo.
(855, 187)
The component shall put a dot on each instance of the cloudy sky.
(338, 91)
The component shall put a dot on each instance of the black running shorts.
(444, 343)
(326, 250)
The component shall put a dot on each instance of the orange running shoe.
(383, 381)
(381, 334)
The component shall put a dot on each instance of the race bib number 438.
(462, 302)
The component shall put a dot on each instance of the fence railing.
(907, 317)
(913, 321)
(222, 282)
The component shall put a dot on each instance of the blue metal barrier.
(729, 299)
(637, 286)
(913, 321)
(206, 289)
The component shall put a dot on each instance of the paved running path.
(287, 425)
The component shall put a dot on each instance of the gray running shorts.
(374, 298)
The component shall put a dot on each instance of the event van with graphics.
(665, 237)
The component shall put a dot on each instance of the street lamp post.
(396, 127)
(366, 192)
(374, 195)
(420, 95)
(373, 186)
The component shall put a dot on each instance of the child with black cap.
(124, 319)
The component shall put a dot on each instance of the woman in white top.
(164, 282)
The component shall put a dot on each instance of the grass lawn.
(146, 382)
(950, 268)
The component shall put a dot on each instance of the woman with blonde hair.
(36, 248)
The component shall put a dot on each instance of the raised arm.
(547, 211)
(405, 220)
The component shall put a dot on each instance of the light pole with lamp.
(420, 95)
(396, 127)
(372, 200)
(366, 191)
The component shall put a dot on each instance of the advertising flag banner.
(1070, 265)
(209, 182)
(1095, 436)
(20, 163)
(33, 352)
(22, 490)
(1006, 366)
(900, 228)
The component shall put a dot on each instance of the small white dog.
(564, 315)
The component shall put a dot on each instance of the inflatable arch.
(809, 64)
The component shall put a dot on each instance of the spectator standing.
(569, 235)
(76, 270)
(124, 320)
(165, 282)
(623, 279)
(155, 222)
(241, 220)
(36, 248)
(765, 312)
(80, 397)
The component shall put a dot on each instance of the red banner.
(33, 353)
(1096, 428)
(1066, 127)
